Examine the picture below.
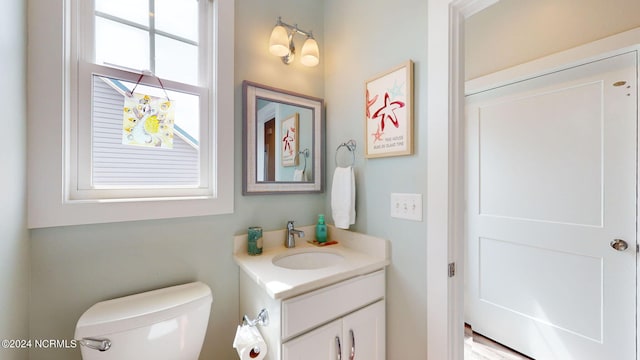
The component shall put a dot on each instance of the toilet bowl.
(163, 324)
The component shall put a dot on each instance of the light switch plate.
(406, 206)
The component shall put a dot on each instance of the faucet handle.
(290, 225)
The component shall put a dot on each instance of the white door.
(551, 182)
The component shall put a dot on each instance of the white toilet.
(163, 324)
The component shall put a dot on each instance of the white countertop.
(362, 254)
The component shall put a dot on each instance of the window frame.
(54, 195)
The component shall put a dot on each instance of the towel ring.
(304, 152)
(351, 146)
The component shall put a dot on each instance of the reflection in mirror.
(283, 141)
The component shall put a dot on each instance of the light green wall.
(74, 267)
(14, 244)
(364, 38)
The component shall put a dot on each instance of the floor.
(478, 347)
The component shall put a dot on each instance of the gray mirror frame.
(250, 186)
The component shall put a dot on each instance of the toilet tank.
(163, 324)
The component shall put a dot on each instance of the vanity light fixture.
(281, 44)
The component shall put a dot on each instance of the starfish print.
(288, 139)
(377, 135)
(369, 103)
(388, 111)
(396, 90)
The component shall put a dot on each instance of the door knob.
(619, 244)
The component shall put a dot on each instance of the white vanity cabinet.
(357, 311)
(357, 336)
(347, 318)
(331, 312)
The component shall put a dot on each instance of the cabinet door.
(364, 333)
(319, 344)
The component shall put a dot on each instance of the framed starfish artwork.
(389, 112)
(289, 140)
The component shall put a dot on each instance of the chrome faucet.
(290, 241)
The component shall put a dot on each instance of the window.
(157, 48)
(142, 125)
(163, 36)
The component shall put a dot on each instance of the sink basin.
(307, 260)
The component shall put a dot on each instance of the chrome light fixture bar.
(281, 44)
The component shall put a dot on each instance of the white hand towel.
(298, 175)
(343, 197)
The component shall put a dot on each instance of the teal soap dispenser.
(321, 230)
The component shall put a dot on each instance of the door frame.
(445, 159)
(445, 184)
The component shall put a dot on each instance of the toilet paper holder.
(262, 319)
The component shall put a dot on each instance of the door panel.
(551, 181)
(549, 294)
(529, 172)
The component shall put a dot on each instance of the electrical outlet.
(406, 206)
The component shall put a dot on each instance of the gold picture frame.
(389, 112)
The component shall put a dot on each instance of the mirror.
(283, 141)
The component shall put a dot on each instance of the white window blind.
(117, 164)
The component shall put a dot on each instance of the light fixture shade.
(310, 54)
(279, 41)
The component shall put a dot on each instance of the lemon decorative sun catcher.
(148, 121)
